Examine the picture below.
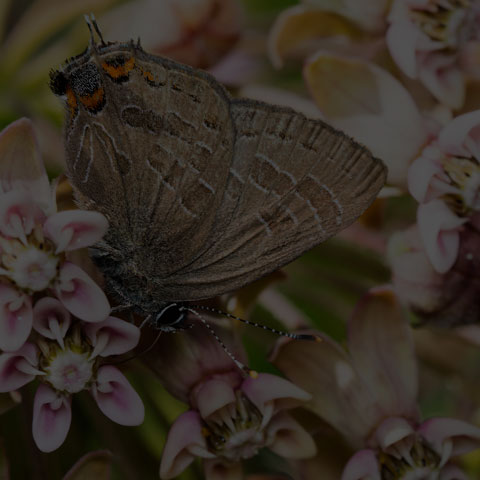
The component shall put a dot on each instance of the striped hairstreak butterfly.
(204, 193)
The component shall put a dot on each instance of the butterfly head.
(170, 319)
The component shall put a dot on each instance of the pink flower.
(369, 395)
(449, 167)
(449, 298)
(436, 41)
(347, 27)
(231, 417)
(370, 104)
(445, 179)
(69, 358)
(198, 33)
(35, 241)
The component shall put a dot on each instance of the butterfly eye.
(172, 315)
(58, 83)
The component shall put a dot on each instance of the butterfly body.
(204, 193)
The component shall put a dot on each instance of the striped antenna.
(92, 25)
(246, 370)
(294, 336)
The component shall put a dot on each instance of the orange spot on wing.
(148, 75)
(71, 101)
(117, 71)
(93, 101)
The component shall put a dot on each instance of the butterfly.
(204, 193)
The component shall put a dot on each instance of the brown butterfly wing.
(293, 183)
(154, 158)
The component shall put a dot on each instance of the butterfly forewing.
(154, 159)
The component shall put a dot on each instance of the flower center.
(409, 461)
(31, 266)
(446, 21)
(464, 174)
(69, 369)
(235, 432)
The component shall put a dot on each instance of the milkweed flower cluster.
(230, 417)
(434, 261)
(406, 69)
(445, 180)
(437, 42)
(401, 77)
(369, 394)
(54, 319)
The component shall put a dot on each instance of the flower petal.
(372, 106)
(370, 16)
(381, 346)
(339, 395)
(272, 388)
(196, 33)
(183, 362)
(415, 280)
(116, 398)
(81, 295)
(440, 73)
(213, 395)
(73, 229)
(402, 39)
(439, 229)
(391, 431)
(18, 214)
(18, 368)
(439, 431)
(112, 336)
(287, 438)
(420, 174)
(185, 433)
(51, 319)
(52, 415)
(218, 470)
(447, 299)
(461, 136)
(361, 466)
(16, 318)
(21, 166)
(299, 28)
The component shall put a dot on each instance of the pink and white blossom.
(231, 416)
(447, 299)
(68, 358)
(35, 239)
(197, 33)
(369, 394)
(436, 42)
(445, 179)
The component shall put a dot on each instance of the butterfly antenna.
(294, 336)
(246, 370)
(92, 26)
(145, 321)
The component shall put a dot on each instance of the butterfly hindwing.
(293, 183)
